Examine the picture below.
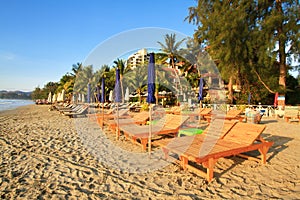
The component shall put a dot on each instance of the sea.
(9, 104)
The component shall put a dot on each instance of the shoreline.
(43, 156)
(11, 104)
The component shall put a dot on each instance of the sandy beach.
(44, 155)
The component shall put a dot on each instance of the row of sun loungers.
(71, 110)
(224, 136)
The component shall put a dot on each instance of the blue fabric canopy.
(151, 80)
(200, 97)
(102, 100)
(89, 93)
(98, 93)
(118, 97)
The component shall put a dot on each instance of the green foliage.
(243, 38)
(42, 93)
(171, 48)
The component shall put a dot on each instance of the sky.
(41, 40)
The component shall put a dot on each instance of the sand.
(45, 155)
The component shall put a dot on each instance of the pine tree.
(246, 38)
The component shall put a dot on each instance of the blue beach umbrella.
(89, 93)
(200, 97)
(151, 80)
(98, 93)
(102, 100)
(151, 97)
(118, 97)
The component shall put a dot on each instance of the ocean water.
(9, 104)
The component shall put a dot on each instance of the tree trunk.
(230, 90)
(281, 44)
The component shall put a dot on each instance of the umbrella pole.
(102, 123)
(117, 131)
(150, 130)
(200, 106)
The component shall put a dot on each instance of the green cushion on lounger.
(189, 131)
(153, 122)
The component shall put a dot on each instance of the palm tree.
(120, 64)
(66, 83)
(76, 68)
(136, 80)
(171, 48)
(103, 72)
(84, 76)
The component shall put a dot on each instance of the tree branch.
(265, 85)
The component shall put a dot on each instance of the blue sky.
(41, 40)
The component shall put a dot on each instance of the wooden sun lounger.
(62, 106)
(230, 115)
(176, 110)
(139, 119)
(291, 116)
(99, 113)
(203, 112)
(206, 149)
(168, 125)
(81, 111)
(101, 118)
(75, 108)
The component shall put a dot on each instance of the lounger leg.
(166, 152)
(263, 151)
(287, 119)
(209, 165)
(183, 162)
(144, 142)
(210, 169)
(126, 135)
(117, 134)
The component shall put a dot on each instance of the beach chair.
(74, 108)
(169, 125)
(202, 113)
(230, 115)
(99, 113)
(57, 106)
(102, 118)
(291, 115)
(81, 111)
(138, 118)
(176, 110)
(205, 112)
(206, 149)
